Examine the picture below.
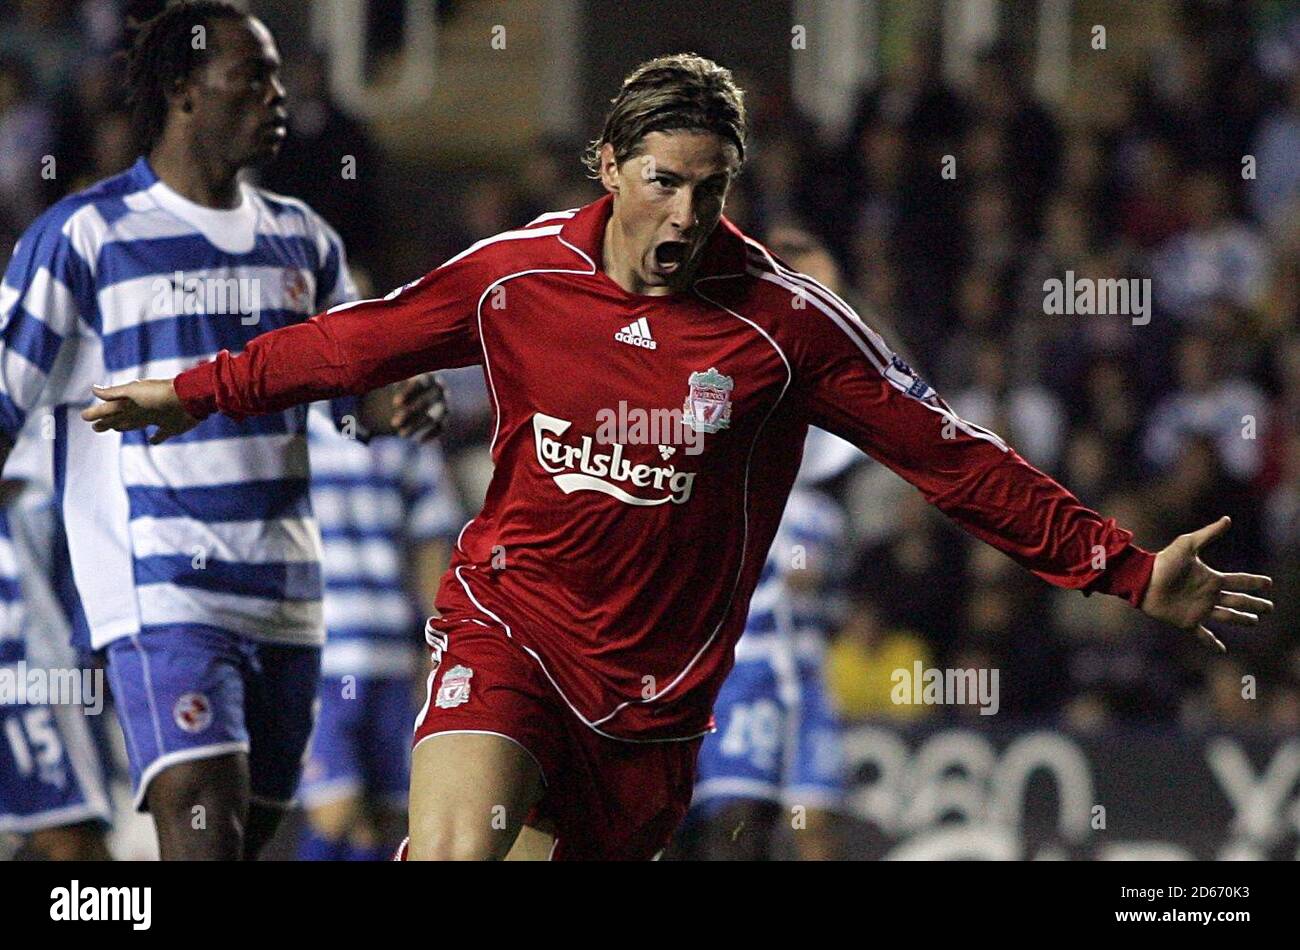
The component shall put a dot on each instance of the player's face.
(238, 102)
(667, 200)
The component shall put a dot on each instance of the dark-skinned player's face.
(669, 197)
(237, 102)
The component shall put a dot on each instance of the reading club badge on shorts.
(455, 687)
(193, 712)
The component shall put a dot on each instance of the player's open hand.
(137, 405)
(1186, 592)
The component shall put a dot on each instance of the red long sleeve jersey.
(624, 564)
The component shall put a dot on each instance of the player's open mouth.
(670, 256)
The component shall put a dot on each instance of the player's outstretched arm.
(355, 348)
(857, 388)
(1186, 592)
(412, 409)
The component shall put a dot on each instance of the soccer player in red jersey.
(654, 372)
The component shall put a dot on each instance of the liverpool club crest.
(708, 404)
(455, 687)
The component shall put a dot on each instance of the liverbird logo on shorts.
(455, 687)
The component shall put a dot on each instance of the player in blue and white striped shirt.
(388, 516)
(52, 788)
(197, 563)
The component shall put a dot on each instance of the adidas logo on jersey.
(638, 334)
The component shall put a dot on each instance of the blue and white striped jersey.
(373, 503)
(812, 537)
(29, 607)
(129, 279)
(12, 616)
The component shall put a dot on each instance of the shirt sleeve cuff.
(1127, 575)
(197, 390)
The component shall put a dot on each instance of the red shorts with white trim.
(606, 799)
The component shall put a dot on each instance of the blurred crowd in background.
(1189, 177)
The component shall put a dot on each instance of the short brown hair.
(681, 92)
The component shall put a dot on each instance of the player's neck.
(194, 177)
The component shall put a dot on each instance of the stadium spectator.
(1276, 186)
(1226, 410)
(1217, 255)
(861, 661)
(26, 137)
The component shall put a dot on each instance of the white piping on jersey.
(462, 534)
(870, 335)
(428, 697)
(580, 252)
(551, 216)
(969, 428)
(800, 285)
(519, 234)
(818, 290)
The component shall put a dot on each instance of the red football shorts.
(605, 798)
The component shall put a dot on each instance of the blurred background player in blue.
(52, 790)
(388, 515)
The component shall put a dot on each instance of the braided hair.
(162, 53)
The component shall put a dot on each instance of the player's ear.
(609, 176)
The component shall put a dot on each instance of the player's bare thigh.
(470, 793)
